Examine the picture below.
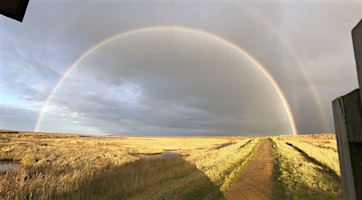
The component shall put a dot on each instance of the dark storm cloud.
(188, 84)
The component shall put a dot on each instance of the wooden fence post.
(357, 46)
(347, 112)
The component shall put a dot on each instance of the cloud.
(188, 85)
(17, 118)
(169, 83)
(24, 73)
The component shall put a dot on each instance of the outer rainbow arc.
(180, 29)
(298, 61)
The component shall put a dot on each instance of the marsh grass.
(298, 177)
(59, 166)
(28, 160)
(131, 178)
(327, 156)
(65, 166)
(224, 165)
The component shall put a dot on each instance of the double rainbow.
(195, 32)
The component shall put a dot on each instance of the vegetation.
(59, 166)
(300, 175)
(66, 166)
(326, 158)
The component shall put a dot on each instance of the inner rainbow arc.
(204, 34)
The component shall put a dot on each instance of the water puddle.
(7, 165)
(163, 155)
(106, 137)
(225, 145)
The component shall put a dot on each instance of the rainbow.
(283, 40)
(199, 33)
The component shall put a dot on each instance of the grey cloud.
(24, 74)
(185, 85)
(17, 118)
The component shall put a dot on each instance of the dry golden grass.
(61, 166)
(299, 176)
(68, 166)
(53, 164)
(322, 148)
(325, 141)
(224, 165)
(327, 157)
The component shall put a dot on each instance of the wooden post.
(357, 45)
(347, 112)
(14, 9)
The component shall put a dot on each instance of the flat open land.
(71, 166)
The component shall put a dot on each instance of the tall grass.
(59, 166)
(223, 165)
(215, 169)
(74, 167)
(326, 156)
(298, 177)
(132, 178)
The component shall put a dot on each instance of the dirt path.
(256, 181)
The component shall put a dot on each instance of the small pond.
(106, 137)
(6, 165)
(163, 155)
(225, 145)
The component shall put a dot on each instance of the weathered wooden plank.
(347, 111)
(353, 119)
(357, 45)
(14, 9)
(356, 153)
(343, 150)
(348, 125)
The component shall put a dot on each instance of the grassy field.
(306, 167)
(69, 166)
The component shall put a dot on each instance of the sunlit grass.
(322, 148)
(223, 166)
(327, 157)
(300, 177)
(69, 166)
(61, 166)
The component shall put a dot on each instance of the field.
(70, 166)
(306, 167)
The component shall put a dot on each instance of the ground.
(256, 180)
(69, 166)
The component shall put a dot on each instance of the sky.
(176, 67)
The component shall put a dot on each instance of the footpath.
(256, 181)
